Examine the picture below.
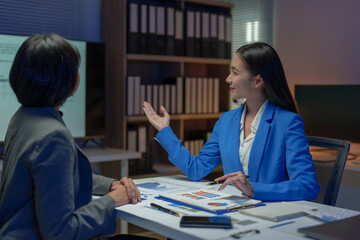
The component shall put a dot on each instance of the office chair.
(333, 184)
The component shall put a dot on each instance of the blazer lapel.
(260, 141)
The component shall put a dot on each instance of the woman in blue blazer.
(261, 145)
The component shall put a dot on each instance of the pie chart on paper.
(215, 204)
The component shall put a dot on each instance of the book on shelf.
(187, 95)
(210, 200)
(142, 97)
(197, 43)
(228, 35)
(179, 95)
(193, 95)
(152, 36)
(211, 95)
(160, 30)
(213, 35)
(130, 95)
(205, 34)
(199, 95)
(170, 31)
(179, 31)
(143, 28)
(190, 33)
(173, 99)
(221, 37)
(155, 102)
(133, 43)
(216, 95)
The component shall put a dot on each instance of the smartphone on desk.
(205, 222)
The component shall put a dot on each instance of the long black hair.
(261, 59)
(44, 71)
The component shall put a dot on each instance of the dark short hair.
(44, 71)
(262, 59)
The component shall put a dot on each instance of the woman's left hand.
(238, 180)
(131, 189)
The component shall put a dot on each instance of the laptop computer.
(345, 229)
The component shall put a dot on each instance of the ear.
(259, 82)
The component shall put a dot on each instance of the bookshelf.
(120, 64)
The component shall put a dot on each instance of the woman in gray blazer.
(47, 181)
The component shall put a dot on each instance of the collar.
(255, 123)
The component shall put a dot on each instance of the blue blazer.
(280, 165)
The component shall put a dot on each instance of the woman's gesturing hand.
(157, 121)
(238, 180)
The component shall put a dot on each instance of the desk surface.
(168, 225)
(109, 154)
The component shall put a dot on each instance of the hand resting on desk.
(124, 191)
(238, 180)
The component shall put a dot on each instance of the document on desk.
(214, 201)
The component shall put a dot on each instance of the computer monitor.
(78, 109)
(331, 111)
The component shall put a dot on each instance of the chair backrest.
(334, 181)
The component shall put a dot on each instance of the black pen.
(220, 182)
(153, 205)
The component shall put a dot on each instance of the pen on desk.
(153, 205)
(220, 182)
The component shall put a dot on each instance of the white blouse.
(246, 144)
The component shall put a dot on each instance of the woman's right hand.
(155, 120)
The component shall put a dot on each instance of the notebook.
(345, 229)
(277, 211)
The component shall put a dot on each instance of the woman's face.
(241, 81)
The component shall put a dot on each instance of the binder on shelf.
(131, 139)
(205, 34)
(197, 51)
(155, 100)
(133, 28)
(199, 100)
(187, 95)
(152, 41)
(130, 96)
(205, 95)
(167, 97)
(161, 96)
(216, 95)
(149, 91)
(179, 34)
(142, 97)
(160, 30)
(173, 98)
(211, 95)
(143, 28)
(142, 137)
(137, 83)
(179, 95)
(221, 37)
(190, 33)
(170, 31)
(213, 35)
(193, 95)
(228, 37)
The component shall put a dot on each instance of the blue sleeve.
(54, 176)
(302, 181)
(195, 167)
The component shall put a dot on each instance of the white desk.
(168, 225)
(96, 155)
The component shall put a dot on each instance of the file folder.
(221, 37)
(143, 28)
(205, 34)
(152, 43)
(133, 28)
(130, 96)
(197, 51)
(160, 30)
(190, 33)
(228, 35)
(213, 35)
(179, 34)
(179, 95)
(170, 31)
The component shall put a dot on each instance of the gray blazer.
(47, 183)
